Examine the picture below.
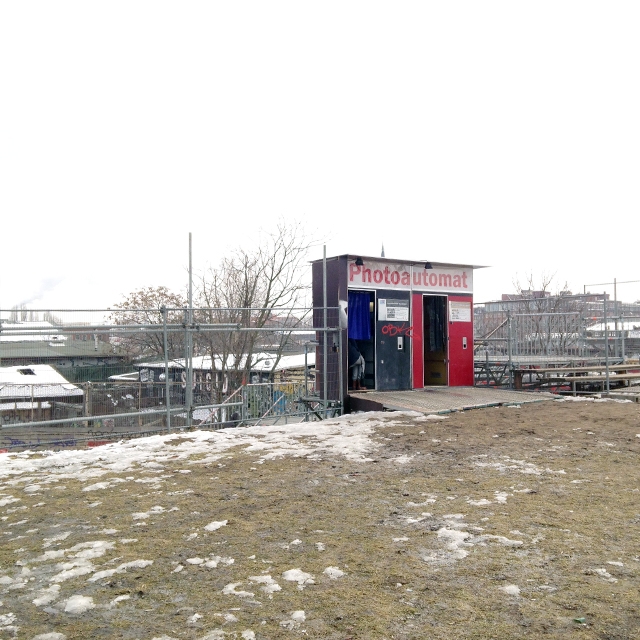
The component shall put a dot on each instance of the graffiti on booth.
(394, 330)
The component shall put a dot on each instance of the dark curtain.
(436, 310)
(359, 323)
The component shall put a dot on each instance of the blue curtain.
(359, 323)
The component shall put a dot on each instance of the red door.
(460, 341)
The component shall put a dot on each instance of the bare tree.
(144, 307)
(53, 319)
(553, 319)
(256, 289)
(19, 313)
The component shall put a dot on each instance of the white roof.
(624, 324)
(286, 362)
(35, 380)
(21, 406)
(52, 336)
(262, 362)
(132, 376)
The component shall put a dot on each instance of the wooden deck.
(441, 399)
(587, 369)
(580, 377)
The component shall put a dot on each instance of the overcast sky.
(491, 133)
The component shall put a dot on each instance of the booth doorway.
(361, 328)
(435, 340)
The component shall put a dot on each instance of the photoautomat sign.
(409, 278)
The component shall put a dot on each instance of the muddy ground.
(493, 523)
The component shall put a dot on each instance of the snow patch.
(511, 589)
(214, 526)
(333, 573)
(47, 595)
(297, 617)
(79, 604)
(299, 576)
(115, 601)
(230, 589)
(107, 573)
(270, 585)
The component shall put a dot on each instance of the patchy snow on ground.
(100, 469)
(348, 436)
(45, 577)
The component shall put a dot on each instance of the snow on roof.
(262, 362)
(22, 330)
(20, 406)
(35, 381)
(132, 376)
(286, 362)
(624, 324)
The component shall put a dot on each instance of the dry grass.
(570, 526)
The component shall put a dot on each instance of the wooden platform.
(600, 377)
(441, 399)
(612, 367)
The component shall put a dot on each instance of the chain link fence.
(85, 377)
(550, 333)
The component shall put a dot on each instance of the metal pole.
(190, 274)
(325, 322)
(244, 413)
(306, 376)
(189, 358)
(509, 325)
(606, 342)
(340, 372)
(187, 377)
(108, 416)
(306, 373)
(615, 310)
(167, 386)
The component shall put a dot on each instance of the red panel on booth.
(460, 341)
(416, 333)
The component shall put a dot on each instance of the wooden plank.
(612, 367)
(597, 378)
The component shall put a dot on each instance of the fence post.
(324, 339)
(306, 381)
(167, 387)
(615, 311)
(87, 408)
(188, 371)
(510, 348)
(340, 372)
(606, 342)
